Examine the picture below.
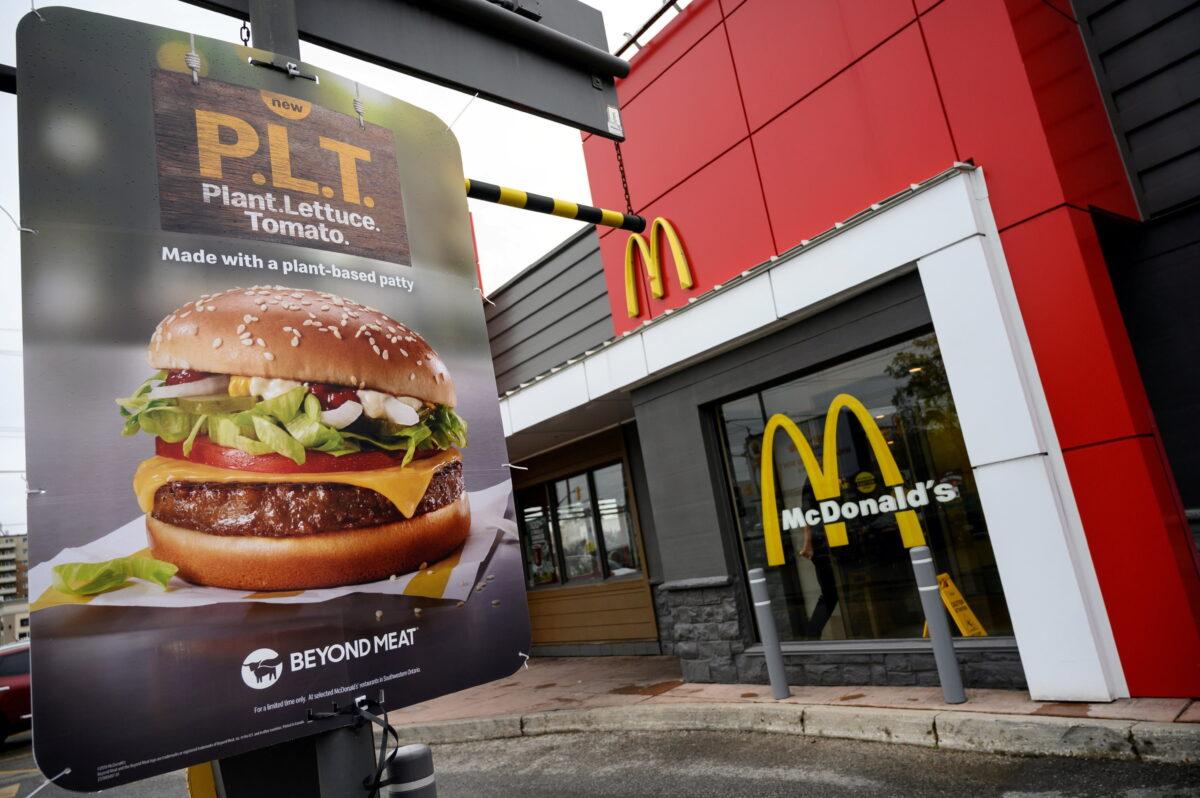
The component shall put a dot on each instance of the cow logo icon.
(262, 668)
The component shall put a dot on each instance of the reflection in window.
(578, 529)
(537, 539)
(614, 520)
(865, 589)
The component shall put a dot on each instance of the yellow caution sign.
(964, 618)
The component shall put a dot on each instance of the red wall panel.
(1072, 112)
(1083, 355)
(683, 120)
(680, 34)
(867, 134)
(784, 49)
(990, 106)
(1144, 562)
(716, 252)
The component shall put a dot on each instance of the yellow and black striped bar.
(527, 201)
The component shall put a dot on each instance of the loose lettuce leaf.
(191, 438)
(90, 578)
(279, 440)
(314, 435)
(224, 432)
(285, 406)
(134, 405)
(312, 407)
(166, 421)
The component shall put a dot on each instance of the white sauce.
(269, 389)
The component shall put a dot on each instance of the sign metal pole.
(939, 627)
(766, 630)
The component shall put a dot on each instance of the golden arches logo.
(824, 476)
(651, 257)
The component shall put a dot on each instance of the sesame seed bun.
(323, 559)
(304, 335)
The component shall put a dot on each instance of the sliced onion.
(342, 416)
(373, 402)
(216, 384)
(399, 412)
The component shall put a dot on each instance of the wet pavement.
(590, 682)
(722, 764)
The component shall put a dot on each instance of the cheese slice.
(403, 486)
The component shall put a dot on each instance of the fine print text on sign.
(249, 163)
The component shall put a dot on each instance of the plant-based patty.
(256, 509)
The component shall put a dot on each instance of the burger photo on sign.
(302, 440)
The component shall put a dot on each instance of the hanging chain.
(244, 33)
(624, 182)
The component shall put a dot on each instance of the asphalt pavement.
(723, 764)
(717, 764)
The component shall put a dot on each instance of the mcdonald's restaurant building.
(921, 278)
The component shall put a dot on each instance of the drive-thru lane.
(722, 764)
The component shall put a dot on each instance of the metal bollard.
(939, 626)
(766, 630)
(411, 773)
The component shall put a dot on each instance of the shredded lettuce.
(288, 424)
(90, 578)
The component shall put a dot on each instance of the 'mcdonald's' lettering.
(824, 478)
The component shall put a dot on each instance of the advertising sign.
(264, 447)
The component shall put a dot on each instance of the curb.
(1020, 735)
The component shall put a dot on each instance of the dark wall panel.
(1155, 269)
(554, 310)
(1146, 55)
(692, 523)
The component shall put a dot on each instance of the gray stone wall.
(700, 621)
(996, 668)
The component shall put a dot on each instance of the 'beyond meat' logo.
(262, 668)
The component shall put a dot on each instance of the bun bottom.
(324, 559)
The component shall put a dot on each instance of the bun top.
(304, 335)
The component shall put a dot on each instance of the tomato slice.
(206, 452)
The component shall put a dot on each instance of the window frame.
(545, 488)
(720, 465)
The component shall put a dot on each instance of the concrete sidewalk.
(583, 694)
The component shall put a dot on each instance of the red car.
(14, 689)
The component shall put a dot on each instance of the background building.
(14, 567)
(974, 217)
(14, 622)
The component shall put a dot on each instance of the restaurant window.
(862, 586)
(578, 529)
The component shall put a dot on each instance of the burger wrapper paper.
(452, 579)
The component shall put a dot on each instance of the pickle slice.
(216, 403)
